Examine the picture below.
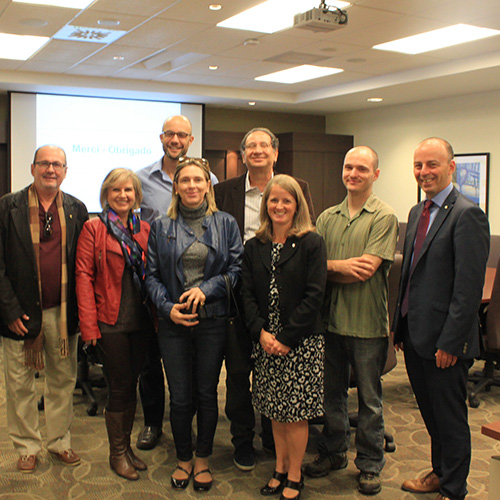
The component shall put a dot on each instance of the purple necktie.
(423, 225)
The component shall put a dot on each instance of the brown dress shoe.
(26, 463)
(426, 484)
(68, 457)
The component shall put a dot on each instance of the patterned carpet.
(93, 479)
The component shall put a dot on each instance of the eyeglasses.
(47, 229)
(261, 145)
(169, 134)
(46, 164)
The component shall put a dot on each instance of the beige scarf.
(33, 348)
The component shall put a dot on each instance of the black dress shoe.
(274, 490)
(293, 485)
(202, 486)
(181, 484)
(148, 438)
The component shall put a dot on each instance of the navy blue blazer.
(447, 282)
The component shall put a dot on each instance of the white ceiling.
(169, 45)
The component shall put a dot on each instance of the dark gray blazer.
(19, 292)
(230, 197)
(447, 282)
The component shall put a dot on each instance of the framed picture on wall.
(471, 178)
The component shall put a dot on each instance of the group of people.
(153, 290)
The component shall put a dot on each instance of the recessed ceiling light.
(273, 15)
(108, 22)
(215, 6)
(299, 74)
(70, 4)
(34, 23)
(213, 67)
(119, 58)
(437, 39)
(20, 47)
(375, 99)
(251, 103)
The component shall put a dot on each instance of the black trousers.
(239, 409)
(152, 385)
(442, 399)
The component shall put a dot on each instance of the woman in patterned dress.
(284, 278)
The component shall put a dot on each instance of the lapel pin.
(293, 245)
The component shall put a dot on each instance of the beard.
(176, 156)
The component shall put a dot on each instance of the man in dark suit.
(241, 197)
(445, 255)
(39, 229)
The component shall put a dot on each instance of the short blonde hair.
(203, 165)
(119, 176)
(301, 223)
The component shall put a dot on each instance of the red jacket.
(99, 270)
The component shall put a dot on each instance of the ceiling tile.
(160, 33)
(24, 19)
(66, 51)
(131, 55)
(89, 18)
(134, 7)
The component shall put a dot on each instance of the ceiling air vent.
(83, 34)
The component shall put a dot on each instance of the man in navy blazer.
(241, 197)
(436, 320)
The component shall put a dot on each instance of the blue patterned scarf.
(134, 255)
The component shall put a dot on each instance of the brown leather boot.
(128, 424)
(118, 459)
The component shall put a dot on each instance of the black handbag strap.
(230, 297)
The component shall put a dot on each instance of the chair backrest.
(394, 277)
(493, 315)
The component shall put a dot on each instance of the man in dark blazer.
(241, 196)
(445, 255)
(39, 229)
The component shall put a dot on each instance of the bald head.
(176, 136)
(370, 155)
(437, 142)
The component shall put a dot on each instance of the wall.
(237, 120)
(470, 123)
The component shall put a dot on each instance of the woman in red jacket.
(110, 262)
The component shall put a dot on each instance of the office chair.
(490, 345)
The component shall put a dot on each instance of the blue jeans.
(367, 357)
(193, 353)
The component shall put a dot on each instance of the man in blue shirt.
(157, 183)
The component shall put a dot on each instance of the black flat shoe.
(274, 490)
(293, 485)
(181, 484)
(199, 486)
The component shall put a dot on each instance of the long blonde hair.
(301, 223)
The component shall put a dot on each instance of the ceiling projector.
(321, 19)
